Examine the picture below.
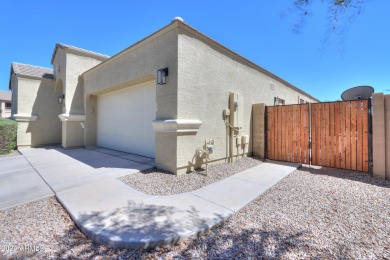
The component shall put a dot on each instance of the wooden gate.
(338, 132)
(288, 133)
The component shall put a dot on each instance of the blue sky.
(258, 30)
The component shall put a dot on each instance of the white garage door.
(124, 119)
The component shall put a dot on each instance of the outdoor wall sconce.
(162, 76)
(61, 99)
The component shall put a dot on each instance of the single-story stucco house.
(163, 97)
(5, 103)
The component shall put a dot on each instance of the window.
(301, 101)
(8, 105)
(278, 101)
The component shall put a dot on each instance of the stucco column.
(387, 131)
(90, 130)
(167, 133)
(378, 135)
(72, 130)
(23, 137)
(258, 130)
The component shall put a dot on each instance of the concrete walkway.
(112, 213)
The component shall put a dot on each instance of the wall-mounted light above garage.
(162, 76)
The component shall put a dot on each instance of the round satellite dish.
(357, 93)
(178, 18)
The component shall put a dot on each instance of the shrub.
(7, 135)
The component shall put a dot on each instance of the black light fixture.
(162, 76)
(61, 99)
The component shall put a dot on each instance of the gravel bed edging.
(159, 182)
(319, 213)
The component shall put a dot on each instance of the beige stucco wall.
(72, 134)
(387, 127)
(37, 97)
(68, 67)
(90, 130)
(131, 67)
(200, 79)
(381, 135)
(258, 137)
(59, 71)
(14, 89)
(206, 76)
(75, 66)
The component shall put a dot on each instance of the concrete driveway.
(42, 172)
(110, 212)
(20, 183)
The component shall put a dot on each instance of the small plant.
(8, 130)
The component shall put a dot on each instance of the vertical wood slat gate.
(288, 133)
(339, 134)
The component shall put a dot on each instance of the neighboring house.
(161, 97)
(5, 103)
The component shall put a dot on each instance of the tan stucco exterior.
(189, 107)
(258, 137)
(207, 73)
(68, 65)
(201, 75)
(36, 109)
(381, 135)
(134, 66)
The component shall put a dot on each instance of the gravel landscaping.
(158, 182)
(313, 213)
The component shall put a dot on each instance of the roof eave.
(243, 59)
(54, 54)
(32, 77)
(185, 26)
(86, 53)
(157, 33)
(10, 77)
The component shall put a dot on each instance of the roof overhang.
(185, 27)
(26, 77)
(77, 51)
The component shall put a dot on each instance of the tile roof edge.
(30, 65)
(78, 50)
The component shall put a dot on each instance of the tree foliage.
(340, 15)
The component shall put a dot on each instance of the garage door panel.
(124, 119)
